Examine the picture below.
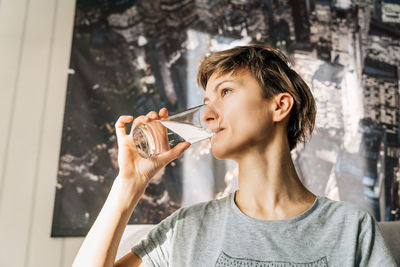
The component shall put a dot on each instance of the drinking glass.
(162, 135)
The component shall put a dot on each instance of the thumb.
(172, 154)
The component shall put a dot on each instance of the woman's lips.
(217, 131)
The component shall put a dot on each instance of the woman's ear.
(283, 104)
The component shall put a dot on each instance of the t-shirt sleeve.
(154, 249)
(372, 249)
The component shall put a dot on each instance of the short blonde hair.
(271, 69)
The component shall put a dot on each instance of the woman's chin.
(222, 148)
(219, 151)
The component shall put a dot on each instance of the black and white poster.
(131, 57)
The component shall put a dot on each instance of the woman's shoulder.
(212, 205)
(204, 209)
(342, 209)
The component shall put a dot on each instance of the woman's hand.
(101, 243)
(131, 165)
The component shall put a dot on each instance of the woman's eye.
(225, 91)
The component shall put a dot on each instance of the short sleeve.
(154, 249)
(372, 249)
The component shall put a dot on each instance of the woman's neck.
(269, 187)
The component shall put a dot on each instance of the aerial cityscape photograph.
(132, 57)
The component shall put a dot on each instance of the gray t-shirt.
(218, 233)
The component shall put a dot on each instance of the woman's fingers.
(152, 115)
(163, 113)
(140, 120)
(120, 125)
(174, 153)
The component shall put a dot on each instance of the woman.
(260, 109)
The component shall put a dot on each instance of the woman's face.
(238, 113)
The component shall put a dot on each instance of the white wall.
(35, 43)
(35, 40)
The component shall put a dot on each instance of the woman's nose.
(208, 114)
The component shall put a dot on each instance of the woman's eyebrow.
(216, 88)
